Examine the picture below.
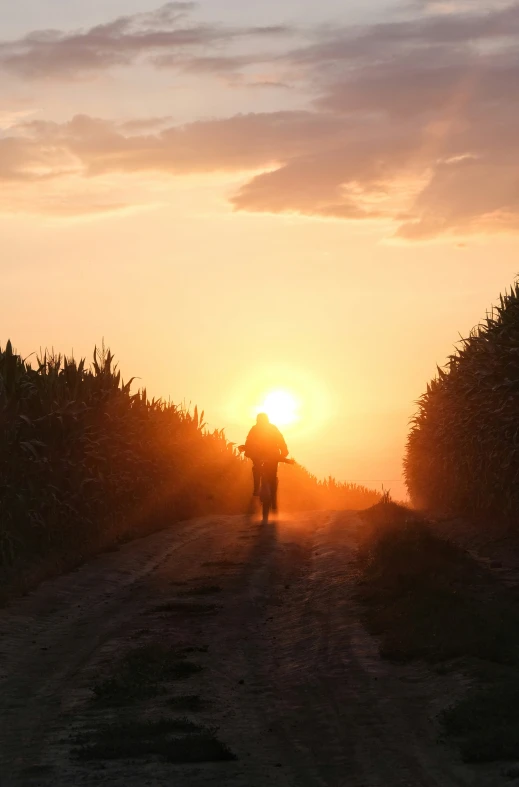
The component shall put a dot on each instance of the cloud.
(12, 118)
(27, 160)
(431, 127)
(465, 195)
(165, 37)
(457, 6)
(151, 124)
(413, 122)
(94, 146)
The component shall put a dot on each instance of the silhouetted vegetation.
(302, 491)
(142, 673)
(463, 449)
(173, 740)
(86, 463)
(427, 599)
(410, 574)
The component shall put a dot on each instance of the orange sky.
(238, 207)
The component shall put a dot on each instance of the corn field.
(302, 491)
(84, 462)
(463, 447)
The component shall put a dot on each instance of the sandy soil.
(291, 679)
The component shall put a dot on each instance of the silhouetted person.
(265, 443)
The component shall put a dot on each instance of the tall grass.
(85, 462)
(463, 448)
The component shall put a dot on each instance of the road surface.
(289, 676)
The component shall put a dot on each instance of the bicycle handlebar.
(284, 460)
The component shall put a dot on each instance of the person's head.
(262, 419)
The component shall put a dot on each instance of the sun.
(295, 399)
(281, 407)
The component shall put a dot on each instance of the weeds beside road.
(428, 599)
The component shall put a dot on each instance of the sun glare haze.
(239, 237)
(281, 407)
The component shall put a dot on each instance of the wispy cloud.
(166, 37)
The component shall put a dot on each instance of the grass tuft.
(141, 673)
(174, 740)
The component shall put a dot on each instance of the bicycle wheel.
(265, 500)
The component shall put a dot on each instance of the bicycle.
(268, 483)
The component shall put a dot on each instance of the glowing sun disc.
(281, 408)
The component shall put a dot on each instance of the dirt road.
(288, 674)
